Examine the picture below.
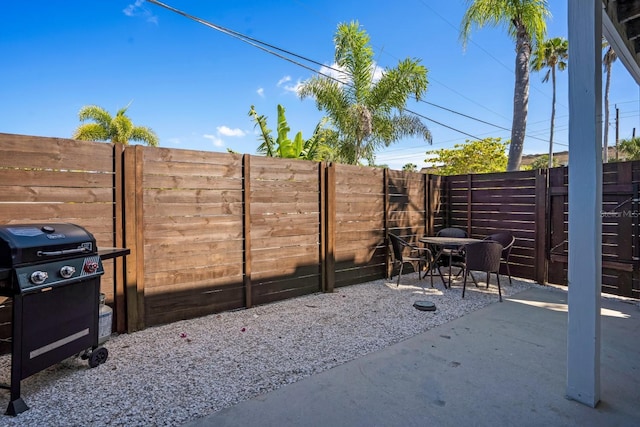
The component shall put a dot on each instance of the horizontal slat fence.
(484, 204)
(216, 231)
(285, 227)
(54, 180)
(191, 233)
(360, 249)
(620, 228)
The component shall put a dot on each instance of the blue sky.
(194, 85)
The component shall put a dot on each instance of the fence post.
(119, 278)
(385, 222)
(447, 218)
(330, 229)
(322, 200)
(134, 237)
(624, 235)
(469, 200)
(427, 203)
(246, 229)
(542, 226)
(435, 190)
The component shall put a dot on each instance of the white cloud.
(214, 139)
(137, 9)
(295, 88)
(336, 72)
(340, 74)
(282, 83)
(377, 74)
(224, 130)
(284, 80)
(260, 92)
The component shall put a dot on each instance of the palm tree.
(551, 54)
(410, 167)
(525, 21)
(118, 129)
(365, 112)
(631, 148)
(607, 61)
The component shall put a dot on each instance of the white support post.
(585, 200)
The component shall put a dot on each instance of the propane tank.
(105, 319)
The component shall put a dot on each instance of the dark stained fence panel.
(484, 204)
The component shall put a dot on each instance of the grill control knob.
(91, 267)
(67, 271)
(38, 277)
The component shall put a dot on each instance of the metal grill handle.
(64, 252)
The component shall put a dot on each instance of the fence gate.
(620, 229)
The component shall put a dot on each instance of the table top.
(442, 240)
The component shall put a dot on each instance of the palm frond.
(91, 132)
(509, 14)
(144, 134)
(95, 113)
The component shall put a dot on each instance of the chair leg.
(509, 274)
(399, 275)
(431, 275)
(473, 278)
(464, 282)
(499, 290)
(429, 267)
(488, 279)
(442, 278)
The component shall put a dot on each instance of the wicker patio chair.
(406, 253)
(506, 239)
(483, 256)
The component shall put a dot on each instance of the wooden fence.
(216, 231)
(487, 203)
(51, 179)
(620, 228)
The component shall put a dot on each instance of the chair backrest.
(452, 232)
(484, 256)
(397, 244)
(505, 238)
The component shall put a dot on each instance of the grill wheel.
(98, 357)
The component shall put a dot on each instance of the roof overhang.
(621, 28)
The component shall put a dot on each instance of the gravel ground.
(168, 375)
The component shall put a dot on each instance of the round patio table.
(442, 242)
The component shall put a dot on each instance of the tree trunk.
(520, 99)
(553, 115)
(605, 152)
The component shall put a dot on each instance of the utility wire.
(272, 48)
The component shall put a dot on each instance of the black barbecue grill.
(52, 273)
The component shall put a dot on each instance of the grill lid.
(34, 243)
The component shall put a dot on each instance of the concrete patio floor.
(503, 365)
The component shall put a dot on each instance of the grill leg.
(16, 404)
(16, 407)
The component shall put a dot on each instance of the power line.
(270, 49)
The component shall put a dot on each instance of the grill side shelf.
(109, 253)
